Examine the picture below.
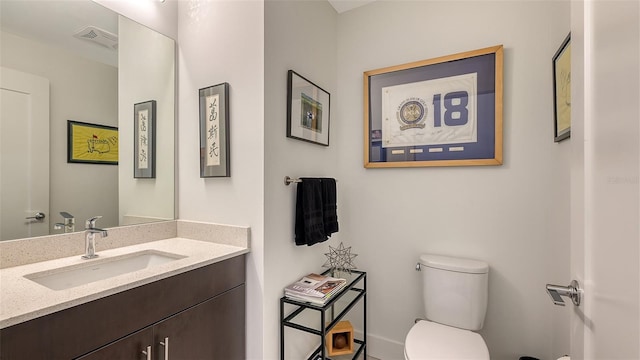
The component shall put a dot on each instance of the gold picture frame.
(445, 111)
(91, 143)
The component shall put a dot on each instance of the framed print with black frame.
(562, 91)
(144, 134)
(214, 131)
(308, 110)
(445, 111)
(91, 143)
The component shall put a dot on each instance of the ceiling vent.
(98, 36)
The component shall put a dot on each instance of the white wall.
(223, 41)
(83, 190)
(146, 71)
(514, 216)
(301, 36)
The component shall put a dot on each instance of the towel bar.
(289, 180)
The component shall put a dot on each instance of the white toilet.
(455, 293)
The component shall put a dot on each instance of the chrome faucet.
(69, 223)
(90, 232)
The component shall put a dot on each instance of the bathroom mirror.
(98, 65)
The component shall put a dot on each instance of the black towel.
(316, 210)
(329, 206)
(309, 212)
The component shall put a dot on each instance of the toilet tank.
(455, 290)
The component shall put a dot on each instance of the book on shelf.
(314, 288)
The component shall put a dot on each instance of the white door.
(24, 154)
(605, 186)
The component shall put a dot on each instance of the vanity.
(186, 302)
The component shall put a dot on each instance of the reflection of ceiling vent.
(98, 36)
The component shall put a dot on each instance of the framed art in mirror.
(562, 91)
(308, 110)
(91, 143)
(445, 111)
(144, 134)
(214, 131)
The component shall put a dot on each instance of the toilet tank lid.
(454, 264)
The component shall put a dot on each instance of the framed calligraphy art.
(308, 108)
(144, 134)
(445, 111)
(214, 131)
(91, 143)
(562, 91)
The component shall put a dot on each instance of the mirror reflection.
(78, 61)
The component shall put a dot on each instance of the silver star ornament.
(340, 258)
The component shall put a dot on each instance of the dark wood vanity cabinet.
(205, 331)
(200, 314)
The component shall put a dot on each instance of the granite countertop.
(23, 299)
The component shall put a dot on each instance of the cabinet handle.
(165, 343)
(148, 352)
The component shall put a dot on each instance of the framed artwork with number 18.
(445, 111)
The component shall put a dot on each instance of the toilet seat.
(429, 340)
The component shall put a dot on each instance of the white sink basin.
(100, 269)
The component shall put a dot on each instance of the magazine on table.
(315, 288)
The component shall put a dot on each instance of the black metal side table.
(330, 314)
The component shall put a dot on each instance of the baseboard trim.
(382, 348)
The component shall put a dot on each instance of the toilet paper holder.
(573, 292)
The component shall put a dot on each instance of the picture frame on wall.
(562, 91)
(91, 143)
(445, 111)
(214, 131)
(144, 134)
(308, 110)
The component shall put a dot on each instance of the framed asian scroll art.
(445, 111)
(214, 131)
(144, 134)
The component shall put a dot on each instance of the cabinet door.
(128, 348)
(212, 330)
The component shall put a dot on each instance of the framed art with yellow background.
(92, 143)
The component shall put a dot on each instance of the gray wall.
(515, 216)
(80, 90)
(301, 36)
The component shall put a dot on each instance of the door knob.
(38, 216)
(573, 292)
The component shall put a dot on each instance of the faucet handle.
(91, 222)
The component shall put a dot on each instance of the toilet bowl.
(455, 296)
(430, 340)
